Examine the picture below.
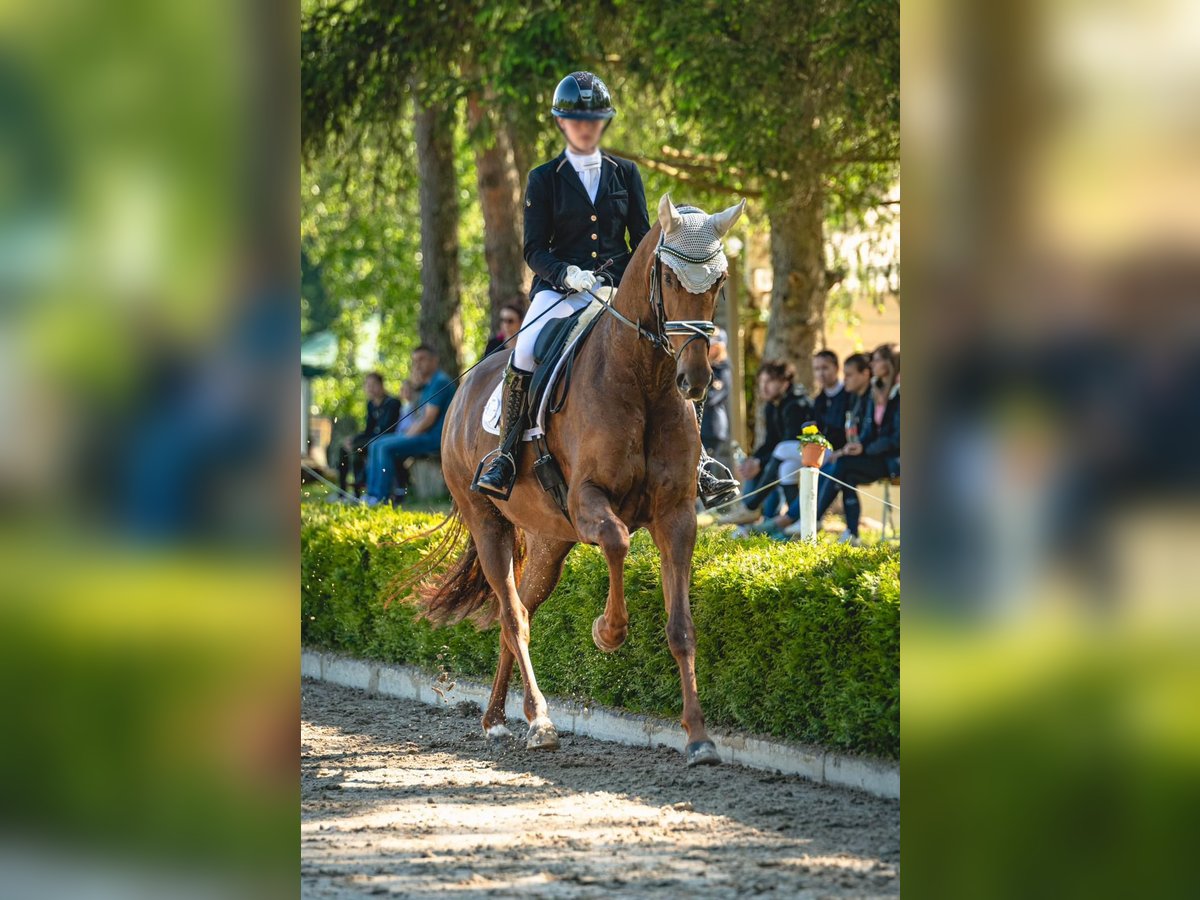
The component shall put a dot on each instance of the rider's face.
(582, 134)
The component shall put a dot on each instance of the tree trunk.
(500, 196)
(798, 287)
(440, 324)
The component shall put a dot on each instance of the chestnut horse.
(628, 445)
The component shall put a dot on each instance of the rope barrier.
(859, 490)
(852, 487)
(317, 475)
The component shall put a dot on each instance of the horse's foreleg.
(598, 524)
(675, 535)
(543, 567)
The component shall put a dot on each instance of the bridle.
(695, 329)
(665, 329)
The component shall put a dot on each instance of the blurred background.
(148, 333)
(1052, 596)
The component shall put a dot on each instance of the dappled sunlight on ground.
(404, 798)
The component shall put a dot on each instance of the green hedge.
(793, 640)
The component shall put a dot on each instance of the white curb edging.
(873, 776)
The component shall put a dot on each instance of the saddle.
(555, 351)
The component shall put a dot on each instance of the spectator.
(831, 400)
(383, 412)
(785, 410)
(714, 428)
(511, 317)
(409, 393)
(876, 455)
(418, 434)
(857, 396)
(829, 413)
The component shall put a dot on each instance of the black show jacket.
(564, 228)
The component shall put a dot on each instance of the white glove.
(578, 280)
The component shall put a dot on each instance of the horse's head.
(690, 267)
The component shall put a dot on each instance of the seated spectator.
(831, 400)
(786, 409)
(418, 434)
(714, 427)
(857, 396)
(829, 413)
(383, 412)
(511, 318)
(876, 454)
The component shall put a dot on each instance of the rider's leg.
(543, 309)
(715, 483)
(498, 479)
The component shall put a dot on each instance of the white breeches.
(560, 306)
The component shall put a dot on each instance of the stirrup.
(489, 459)
(718, 490)
(723, 492)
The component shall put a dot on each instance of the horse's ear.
(668, 216)
(724, 220)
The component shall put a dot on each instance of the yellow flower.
(809, 429)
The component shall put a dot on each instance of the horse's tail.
(462, 591)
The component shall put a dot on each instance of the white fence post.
(808, 503)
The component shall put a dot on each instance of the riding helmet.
(581, 95)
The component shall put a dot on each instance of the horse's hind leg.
(598, 524)
(544, 559)
(675, 535)
(494, 544)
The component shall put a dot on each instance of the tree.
(786, 99)
(441, 323)
(500, 192)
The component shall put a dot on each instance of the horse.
(627, 442)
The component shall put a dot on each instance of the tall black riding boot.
(498, 478)
(715, 484)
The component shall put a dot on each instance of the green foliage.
(798, 641)
(362, 223)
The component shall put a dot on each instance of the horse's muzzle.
(689, 390)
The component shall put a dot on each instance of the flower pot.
(811, 455)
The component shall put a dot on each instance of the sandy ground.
(409, 800)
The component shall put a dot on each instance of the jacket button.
(593, 253)
(593, 218)
(595, 238)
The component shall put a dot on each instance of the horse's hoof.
(599, 642)
(542, 736)
(702, 753)
(497, 732)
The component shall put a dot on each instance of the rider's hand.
(579, 280)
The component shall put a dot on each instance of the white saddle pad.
(491, 414)
(490, 420)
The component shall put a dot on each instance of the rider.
(579, 207)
